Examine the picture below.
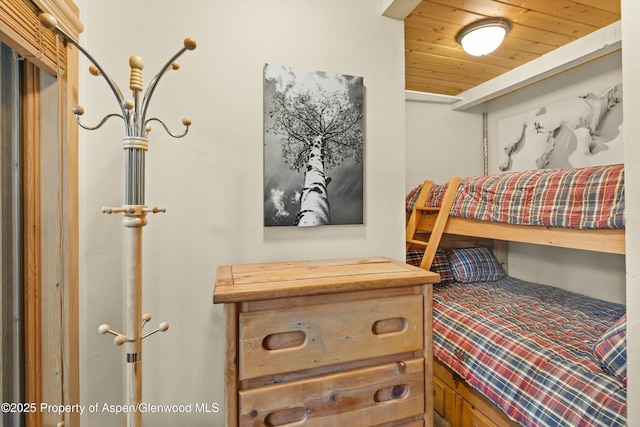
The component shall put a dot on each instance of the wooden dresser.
(343, 342)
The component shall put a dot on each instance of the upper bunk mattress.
(529, 349)
(583, 198)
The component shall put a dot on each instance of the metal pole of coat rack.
(134, 211)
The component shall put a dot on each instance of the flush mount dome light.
(484, 36)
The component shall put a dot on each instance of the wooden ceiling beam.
(612, 6)
(572, 11)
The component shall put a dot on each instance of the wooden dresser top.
(251, 282)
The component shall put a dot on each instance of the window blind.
(21, 30)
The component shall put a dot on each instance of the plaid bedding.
(537, 365)
(571, 198)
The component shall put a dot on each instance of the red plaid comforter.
(537, 365)
(571, 198)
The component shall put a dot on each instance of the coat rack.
(133, 112)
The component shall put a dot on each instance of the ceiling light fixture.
(484, 36)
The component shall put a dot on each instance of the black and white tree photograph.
(313, 147)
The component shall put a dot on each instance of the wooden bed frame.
(598, 240)
(454, 399)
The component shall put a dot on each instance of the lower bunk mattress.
(537, 352)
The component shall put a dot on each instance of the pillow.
(411, 198)
(474, 265)
(414, 257)
(611, 350)
(439, 265)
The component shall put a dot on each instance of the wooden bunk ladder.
(430, 222)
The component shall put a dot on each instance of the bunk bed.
(509, 352)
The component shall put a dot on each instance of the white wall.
(441, 143)
(211, 181)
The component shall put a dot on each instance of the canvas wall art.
(576, 132)
(313, 147)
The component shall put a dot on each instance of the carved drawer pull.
(286, 416)
(389, 326)
(284, 340)
(391, 393)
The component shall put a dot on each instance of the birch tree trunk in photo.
(314, 201)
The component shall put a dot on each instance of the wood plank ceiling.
(435, 63)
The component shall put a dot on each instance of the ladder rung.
(418, 242)
(435, 217)
(428, 209)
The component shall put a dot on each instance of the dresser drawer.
(363, 397)
(278, 341)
